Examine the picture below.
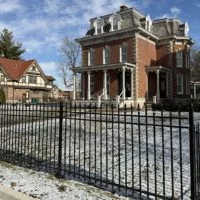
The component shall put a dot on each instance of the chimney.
(123, 7)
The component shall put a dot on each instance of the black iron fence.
(140, 153)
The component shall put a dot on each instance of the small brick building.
(128, 56)
(24, 81)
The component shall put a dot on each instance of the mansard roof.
(131, 18)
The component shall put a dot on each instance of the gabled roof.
(14, 69)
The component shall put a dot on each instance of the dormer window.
(98, 27)
(184, 29)
(115, 21)
(148, 23)
(98, 24)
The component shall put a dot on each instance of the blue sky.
(41, 25)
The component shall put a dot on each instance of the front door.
(127, 83)
(163, 87)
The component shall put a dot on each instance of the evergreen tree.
(9, 48)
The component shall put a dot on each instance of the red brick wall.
(114, 58)
(184, 71)
(114, 51)
(146, 56)
(162, 55)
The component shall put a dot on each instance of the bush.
(183, 107)
(2, 97)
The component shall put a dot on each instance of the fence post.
(60, 140)
(192, 153)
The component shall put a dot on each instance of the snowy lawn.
(45, 186)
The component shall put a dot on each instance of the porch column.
(105, 85)
(158, 86)
(195, 90)
(88, 96)
(132, 89)
(123, 83)
(74, 88)
(167, 84)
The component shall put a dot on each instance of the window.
(106, 55)
(123, 53)
(179, 84)
(179, 59)
(91, 57)
(98, 27)
(32, 79)
(33, 69)
(24, 79)
(115, 23)
(92, 84)
(2, 78)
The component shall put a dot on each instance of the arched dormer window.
(98, 24)
(186, 29)
(148, 23)
(115, 21)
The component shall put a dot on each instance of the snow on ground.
(44, 186)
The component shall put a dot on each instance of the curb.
(9, 194)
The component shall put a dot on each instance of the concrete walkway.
(9, 194)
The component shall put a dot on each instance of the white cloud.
(175, 11)
(7, 6)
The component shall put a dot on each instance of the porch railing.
(99, 99)
(118, 98)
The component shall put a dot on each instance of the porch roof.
(156, 68)
(123, 65)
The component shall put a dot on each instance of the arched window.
(115, 21)
(98, 24)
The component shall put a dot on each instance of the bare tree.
(70, 54)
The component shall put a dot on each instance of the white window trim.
(89, 57)
(95, 25)
(120, 52)
(179, 65)
(104, 60)
(111, 19)
(177, 84)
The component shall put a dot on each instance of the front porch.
(107, 84)
(158, 84)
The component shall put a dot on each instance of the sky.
(41, 25)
